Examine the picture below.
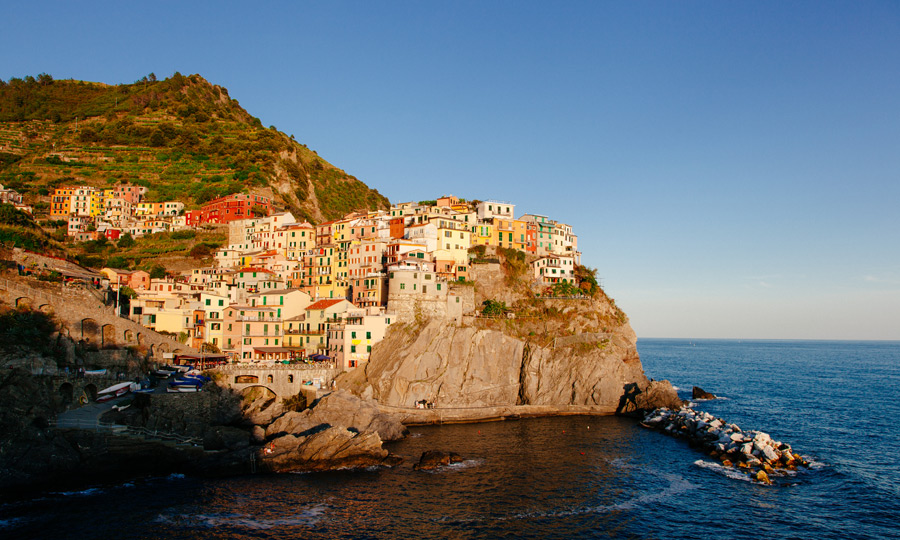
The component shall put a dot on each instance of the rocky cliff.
(543, 356)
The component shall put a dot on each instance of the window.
(368, 335)
(221, 302)
(207, 302)
(353, 335)
(368, 348)
(402, 286)
(353, 348)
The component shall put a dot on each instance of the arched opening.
(256, 400)
(290, 378)
(128, 336)
(140, 338)
(66, 393)
(90, 392)
(270, 379)
(23, 302)
(46, 308)
(108, 336)
(90, 331)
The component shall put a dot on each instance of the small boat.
(115, 391)
(186, 381)
(183, 388)
(94, 372)
(163, 372)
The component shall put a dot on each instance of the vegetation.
(494, 308)
(183, 137)
(24, 327)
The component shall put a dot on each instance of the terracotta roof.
(323, 304)
(252, 269)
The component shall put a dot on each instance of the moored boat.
(115, 391)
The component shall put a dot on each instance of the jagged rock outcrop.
(432, 459)
(328, 449)
(341, 409)
(699, 393)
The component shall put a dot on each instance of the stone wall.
(84, 318)
(284, 381)
(459, 301)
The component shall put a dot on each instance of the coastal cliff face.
(553, 355)
(464, 366)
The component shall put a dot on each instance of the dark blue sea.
(837, 403)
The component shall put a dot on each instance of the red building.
(233, 207)
(112, 234)
(192, 218)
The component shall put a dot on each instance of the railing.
(302, 365)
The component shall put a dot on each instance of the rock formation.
(463, 366)
(329, 449)
(432, 459)
(342, 409)
(545, 356)
(699, 393)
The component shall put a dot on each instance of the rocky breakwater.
(754, 451)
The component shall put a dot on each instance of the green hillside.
(182, 137)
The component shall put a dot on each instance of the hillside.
(182, 137)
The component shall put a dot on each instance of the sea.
(836, 402)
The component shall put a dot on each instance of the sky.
(732, 169)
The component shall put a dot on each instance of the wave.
(83, 493)
(307, 517)
(9, 523)
(453, 467)
(730, 472)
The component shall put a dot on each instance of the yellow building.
(483, 234)
(456, 238)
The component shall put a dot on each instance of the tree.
(125, 241)
(157, 272)
(493, 308)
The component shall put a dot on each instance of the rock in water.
(699, 393)
(330, 449)
(340, 408)
(433, 459)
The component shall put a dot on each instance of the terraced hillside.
(183, 137)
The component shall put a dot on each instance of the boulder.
(331, 448)
(699, 393)
(433, 459)
(655, 394)
(343, 409)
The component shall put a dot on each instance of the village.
(283, 291)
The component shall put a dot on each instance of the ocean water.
(837, 403)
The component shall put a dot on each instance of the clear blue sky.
(731, 168)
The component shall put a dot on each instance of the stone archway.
(90, 390)
(66, 393)
(257, 400)
(90, 331)
(108, 336)
(45, 308)
(140, 338)
(24, 302)
(128, 336)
